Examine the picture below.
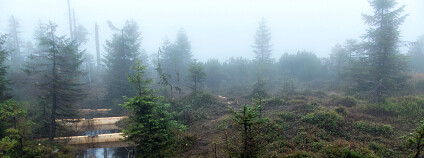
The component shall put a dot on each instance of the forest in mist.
(362, 98)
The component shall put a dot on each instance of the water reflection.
(120, 152)
(92, 133)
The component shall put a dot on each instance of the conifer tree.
(121, 52)
(149, 121)
(197, 75)
(416, 139)
(215, 74)
(14, 44)
(416, 55)
(176, 59)
(386, 65)
(57, 65)
(3, 55)
(262, 49)
(248, 118)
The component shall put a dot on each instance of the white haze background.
(216, 28)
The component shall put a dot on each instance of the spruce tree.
(386, 65)
(262, 49)
(416, 55)
(338, 60)
(176, 59)
(416, 140)
(197, 75)
(251, 126)
(3, 56)
(148, 121)
(57, 66)
(163, 78)
(237, 75)
(215, 74)
(121, 52)
(14, 44)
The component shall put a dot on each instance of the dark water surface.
(121, 152)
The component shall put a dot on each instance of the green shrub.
(297, 102)
(301, 154)
(345, 149)
(188, 116)
(225, 124)
(274, 101)
(328, 120)
(383, 108)
(198, 100)
(408, 107)
(347, 101)
(303, 139)
(373, 129)
(288, 116)
(258, 89)
(318, 94)
(317, 146)
(335, 151)
(380, 150)
(185, 142)
(341, 110)
(188, 108)
(302, 106)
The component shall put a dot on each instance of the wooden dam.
(95, 125)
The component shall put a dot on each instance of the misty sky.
(216, 28)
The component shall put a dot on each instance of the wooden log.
(101, 138)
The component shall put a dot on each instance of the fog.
(217, 29)
(203, 78)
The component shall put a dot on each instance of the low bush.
(288, 116)
(347, 101)
(198, 100)
(185, 142)
(380, 150)
(341, 110)
(297, 102)
(383, 108)
(303, 106)
(274, 101)
(328, 120)
(373, 129)
(225, 124)
(301, 154)
(344, 149)
(303, 139)
(188, 108)
(408, 107)
(187, 116)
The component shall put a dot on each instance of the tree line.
(53, 75)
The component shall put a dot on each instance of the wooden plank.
(103, 145)
(97, 127)
(92, 122)
(101, 138)
(94, 110)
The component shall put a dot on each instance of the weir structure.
(96, 131)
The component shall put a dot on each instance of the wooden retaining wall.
(101, 138)
(86, 111)
(92, 122)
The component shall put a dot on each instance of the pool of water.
(92, 133)
(121, 152)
